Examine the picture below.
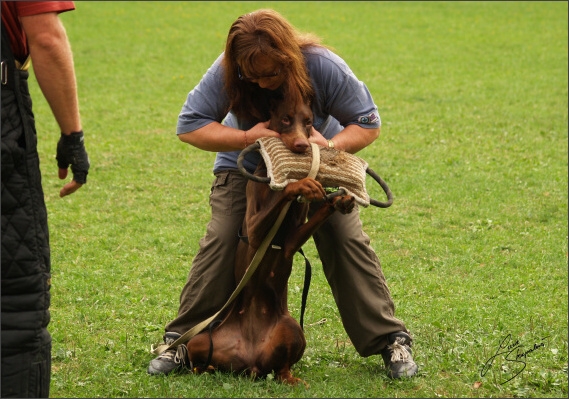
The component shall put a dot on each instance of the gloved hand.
(71, 151)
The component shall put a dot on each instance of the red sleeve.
(27, 8)
(13, 10)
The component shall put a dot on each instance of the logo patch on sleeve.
(368, 119)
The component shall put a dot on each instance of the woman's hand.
(317, 138)
(261, 129)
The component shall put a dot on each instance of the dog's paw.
(344, 204)
(305, 190)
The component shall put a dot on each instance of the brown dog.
(257, 335)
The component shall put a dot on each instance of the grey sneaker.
(170, 360)
(397, 356)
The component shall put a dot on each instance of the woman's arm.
(217, 137)
(351, 139)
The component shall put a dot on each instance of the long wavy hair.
(266, 32)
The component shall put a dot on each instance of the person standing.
(265, 56)
(33, 32)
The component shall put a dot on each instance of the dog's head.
(293, 120)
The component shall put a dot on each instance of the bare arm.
(352, 139)
(52, 62)
(217, 137)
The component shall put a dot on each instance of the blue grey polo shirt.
(340, 100)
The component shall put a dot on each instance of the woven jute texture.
(337, 168)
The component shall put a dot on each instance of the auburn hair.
(265, 32)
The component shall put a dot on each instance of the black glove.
(71, 150)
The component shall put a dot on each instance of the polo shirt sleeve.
(206, 103)
(27, 8)
(13, 10)
(339, 92)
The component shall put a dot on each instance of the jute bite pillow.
(337, 168)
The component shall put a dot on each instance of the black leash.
(307, 278)
(212, 325)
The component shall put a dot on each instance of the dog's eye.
(308, 122)
(285, 120)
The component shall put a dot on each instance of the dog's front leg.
(344, 204)
(264, 204)
(299, 236)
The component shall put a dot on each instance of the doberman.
(258, 336)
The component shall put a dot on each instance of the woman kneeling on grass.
(226, 112)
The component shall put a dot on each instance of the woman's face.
(265, 72)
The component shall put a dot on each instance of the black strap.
(307, 278)
(212, 325)
(204, 366)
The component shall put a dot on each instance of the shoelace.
(398, 351)
(181, 355)
(178, 355)
(169, 354)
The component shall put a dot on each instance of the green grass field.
(473, 100)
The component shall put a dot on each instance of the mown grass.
(473, 99)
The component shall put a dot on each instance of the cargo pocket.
(218, 193)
